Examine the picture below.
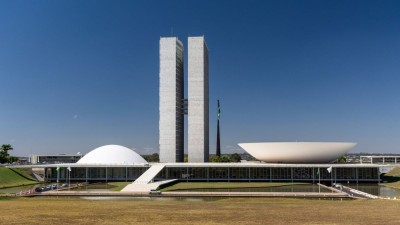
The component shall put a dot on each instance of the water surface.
(376, 189)
(286, 188)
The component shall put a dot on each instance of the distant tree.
(12, 159)
(152, 158)
(185, 158)
(155, 157)
(219, 159)
(235, 157)
(214, 158)
(224, 159)
(4, 156)
(342, 159)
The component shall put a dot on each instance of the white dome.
(297, 152)
(112, 154)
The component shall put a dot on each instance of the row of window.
(220, 173)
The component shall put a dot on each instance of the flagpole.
(218, 150)
(58, 175)
(69, 178)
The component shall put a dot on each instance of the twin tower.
(174, 106)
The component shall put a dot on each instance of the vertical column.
(270, 174)
(313, 178)
(187, 174)
(378, 175)
(291, 174)
(335, 170)
(198, 127)
(356, 175)
(208, 174)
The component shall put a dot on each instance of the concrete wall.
(198, 126)
(171, 124)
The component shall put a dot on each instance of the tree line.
(5, 156)
(226, 158)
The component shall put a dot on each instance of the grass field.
(118, 185)
(14, 177)
(392, 178)
(392, 185)
(224, 185)
(222, 211)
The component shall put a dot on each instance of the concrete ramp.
(145, 188)
(38, 177)
(145, 182)
(358, 194)
(150, 174)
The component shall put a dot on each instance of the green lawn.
(392, 178)
(392, 184)
(118, 186)
(224, 185)
(14, 177)
(395, 172)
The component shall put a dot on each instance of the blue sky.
(76, 75)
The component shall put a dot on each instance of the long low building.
(216, 172)
(118, 163)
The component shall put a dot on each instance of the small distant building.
(380, 159)
(22, 160)
(53, 159)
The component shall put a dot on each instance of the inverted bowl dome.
(297, 152)
(112, 154)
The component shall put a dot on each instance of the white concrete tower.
(198, 131)
(171, 124)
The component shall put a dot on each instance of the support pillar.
(291, 174)
(313, 175)
(357, 175)
(270, 174)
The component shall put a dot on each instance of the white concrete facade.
(297, 152)
(198, 127)
(171, 124)
(114, 154)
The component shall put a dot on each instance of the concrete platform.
(194, 194)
